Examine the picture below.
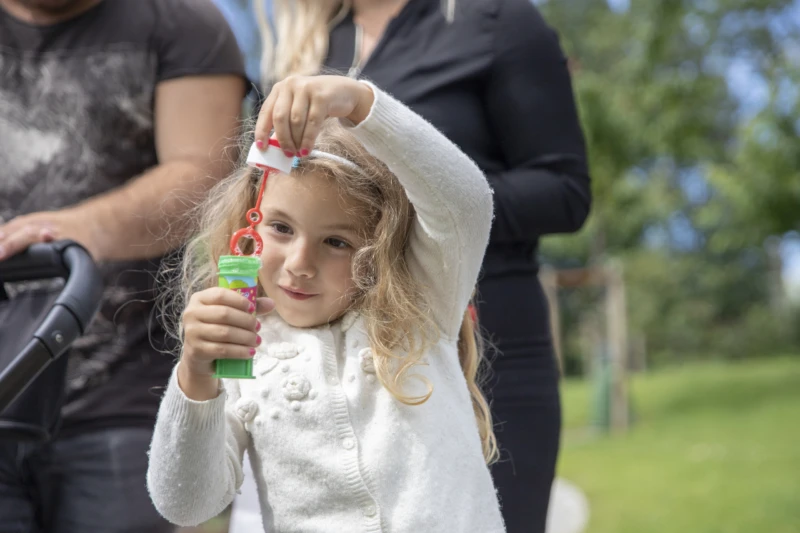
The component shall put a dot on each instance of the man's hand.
(46, 226)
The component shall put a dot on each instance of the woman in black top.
(490, 75)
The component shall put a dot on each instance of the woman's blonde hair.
(296, 42)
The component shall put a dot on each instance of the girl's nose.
(301, 262)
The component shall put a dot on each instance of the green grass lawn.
(715, 447)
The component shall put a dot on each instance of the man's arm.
(196, 118)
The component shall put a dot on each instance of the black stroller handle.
(68, 318)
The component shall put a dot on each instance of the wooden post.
(549, 280)
(588, 341)
(638, 352)
(616, 317)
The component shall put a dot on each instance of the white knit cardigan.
(331, 449)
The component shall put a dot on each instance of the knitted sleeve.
(196, 455)
(452, 199)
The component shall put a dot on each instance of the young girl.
(364, 415)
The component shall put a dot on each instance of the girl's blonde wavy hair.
(388, 297)
(390, 300)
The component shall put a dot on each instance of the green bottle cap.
(242, 265)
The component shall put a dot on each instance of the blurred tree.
(691, 111)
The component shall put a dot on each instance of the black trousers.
(87, 483)
(527, 417)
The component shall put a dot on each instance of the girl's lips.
(297, 295)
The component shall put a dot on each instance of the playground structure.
(608, 352)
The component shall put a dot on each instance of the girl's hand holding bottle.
(218, 323)
(297, 106)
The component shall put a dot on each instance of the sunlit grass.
(714, 448)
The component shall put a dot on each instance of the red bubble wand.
(271, 160)
(240, 272)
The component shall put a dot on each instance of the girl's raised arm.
(452, 199)
(451, 196)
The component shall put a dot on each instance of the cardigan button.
(348, 443)
(333, 380)
(370, 511)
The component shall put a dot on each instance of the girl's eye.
(281, 228)
(337, 243)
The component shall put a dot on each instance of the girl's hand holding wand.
(297, 107)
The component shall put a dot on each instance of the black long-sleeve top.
(493, 78)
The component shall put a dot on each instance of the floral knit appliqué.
(264, 364)
(296, 387)
(367, 361)
(246, 409)
(283, 350)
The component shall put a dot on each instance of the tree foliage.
(690, 108)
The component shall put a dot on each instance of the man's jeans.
(87, 483)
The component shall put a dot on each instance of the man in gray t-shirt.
(114, 115)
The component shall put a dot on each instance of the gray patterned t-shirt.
(76, 120)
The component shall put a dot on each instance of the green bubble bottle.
(239, 273)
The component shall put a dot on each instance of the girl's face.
(309, 242)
